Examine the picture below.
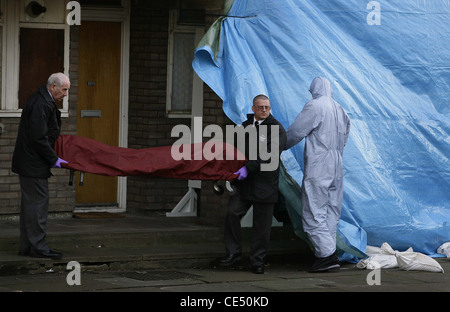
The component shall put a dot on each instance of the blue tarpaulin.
(389, 65)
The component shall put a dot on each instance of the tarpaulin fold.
(91, 156)
(393, 79)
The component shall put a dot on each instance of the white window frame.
(197, 85)
(11, 56)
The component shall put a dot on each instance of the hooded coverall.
(326, 127)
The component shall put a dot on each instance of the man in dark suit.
(257, 186)
(33, 156)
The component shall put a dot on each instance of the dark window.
(191, 17)
(41, 54)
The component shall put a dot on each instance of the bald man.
(33, 156)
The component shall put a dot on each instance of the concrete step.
(131, 242)
(127, 231)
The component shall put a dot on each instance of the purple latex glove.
(59, 162)
(243, 173)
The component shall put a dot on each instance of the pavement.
(174, 256)
(277, 278)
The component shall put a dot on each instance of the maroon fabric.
(88, 155)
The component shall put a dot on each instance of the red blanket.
(88, 155)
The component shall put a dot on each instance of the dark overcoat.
(262, 185)
(39, 128)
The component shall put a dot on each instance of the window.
(41, 54)
(184, 87)
(27, 57)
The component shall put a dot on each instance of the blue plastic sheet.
(388, 63)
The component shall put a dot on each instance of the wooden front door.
(99, 102)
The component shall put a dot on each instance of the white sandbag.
(379, 261)
(379, 258)
(387, 249)
(416, 261)
(373, 250)
(385, 257)
(444, 249)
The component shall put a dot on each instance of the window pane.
(41, 54)
(182, 75)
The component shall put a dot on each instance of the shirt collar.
(50, 94)
(258, 121)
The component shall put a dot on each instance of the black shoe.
(47, 254)
(258, 269)
(325, 264)
(229, 260)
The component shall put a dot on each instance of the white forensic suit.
(326, 127)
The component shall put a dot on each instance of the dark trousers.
(262, 224)
(33, 214)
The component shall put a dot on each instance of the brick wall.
(148, 125)
(9, 182)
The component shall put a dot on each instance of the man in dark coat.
(257, 186)
(39, 128)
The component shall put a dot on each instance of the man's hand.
(243, 173)
(59, 162)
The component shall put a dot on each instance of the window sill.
(18, 113)
(179, 115)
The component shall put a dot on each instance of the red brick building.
(129, 62)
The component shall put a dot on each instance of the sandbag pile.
(385, 257)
